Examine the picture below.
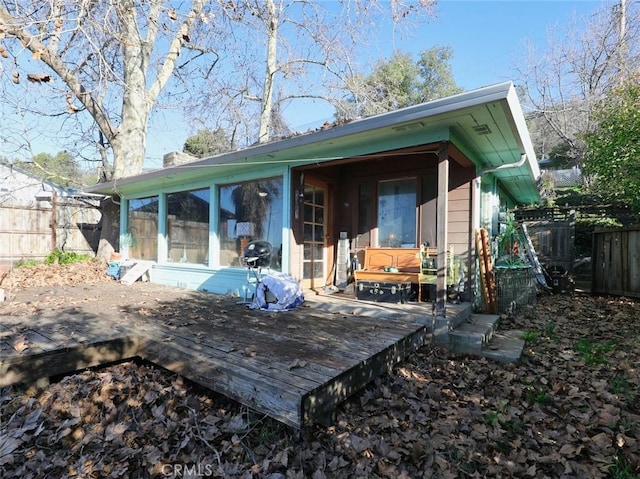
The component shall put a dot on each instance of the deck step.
(480, 336)
(473, 335)
(505, 346)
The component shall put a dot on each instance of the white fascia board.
(523, 133)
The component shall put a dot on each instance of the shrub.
(66, 257)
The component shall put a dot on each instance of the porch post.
(163, 242)
(442, 230)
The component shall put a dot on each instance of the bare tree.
(582, 61)
(102, 67)
(280, 51)
(113, 58)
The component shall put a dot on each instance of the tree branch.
(53, 61)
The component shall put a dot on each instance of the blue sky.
(486, 37)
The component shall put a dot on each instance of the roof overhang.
(486, 124)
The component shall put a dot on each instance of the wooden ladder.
(487, 280)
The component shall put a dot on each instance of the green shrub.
(585, 226)
(66, 257)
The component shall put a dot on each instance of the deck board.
(294, 366)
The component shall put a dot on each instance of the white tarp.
(277, 292)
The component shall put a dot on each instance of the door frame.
(314, 283)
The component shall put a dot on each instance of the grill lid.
(258, 253)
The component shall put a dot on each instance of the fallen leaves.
(297, 363)
(435, 415)
(89, 272)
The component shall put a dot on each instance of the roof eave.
(392, 119)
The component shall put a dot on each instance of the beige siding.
(459, 224)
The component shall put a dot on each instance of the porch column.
(442, 233)
(163, 242)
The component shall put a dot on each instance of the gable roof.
(486, 124)
(20, 187)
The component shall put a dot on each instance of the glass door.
(315, 235)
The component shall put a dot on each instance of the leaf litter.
(569, 408)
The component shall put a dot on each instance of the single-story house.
(429, 174)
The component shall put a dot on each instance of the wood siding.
(459, 209)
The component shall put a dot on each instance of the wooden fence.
(565, 213)
(553, 242)
(616, 262)
(552, 232)
(33, 232)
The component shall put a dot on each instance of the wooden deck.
(294, 366)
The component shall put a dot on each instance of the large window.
(397, 213)
(188, 226)
(142, 233)
(250, 211)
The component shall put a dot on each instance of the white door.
(315, 234)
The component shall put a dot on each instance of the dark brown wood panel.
(29, 368)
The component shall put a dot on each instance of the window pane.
(188, 226)
(308, 214)
(308, 194)
(397, 213)
(250, 211)
(308, 232)
(142, 237)
(306, 270)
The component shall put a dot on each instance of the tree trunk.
(270, 72)
(110, 228)
(129, 148)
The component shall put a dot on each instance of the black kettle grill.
(257, 254)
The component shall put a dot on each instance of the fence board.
(616, 262)
(26, 232)
(143, 227)
(553, 242)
